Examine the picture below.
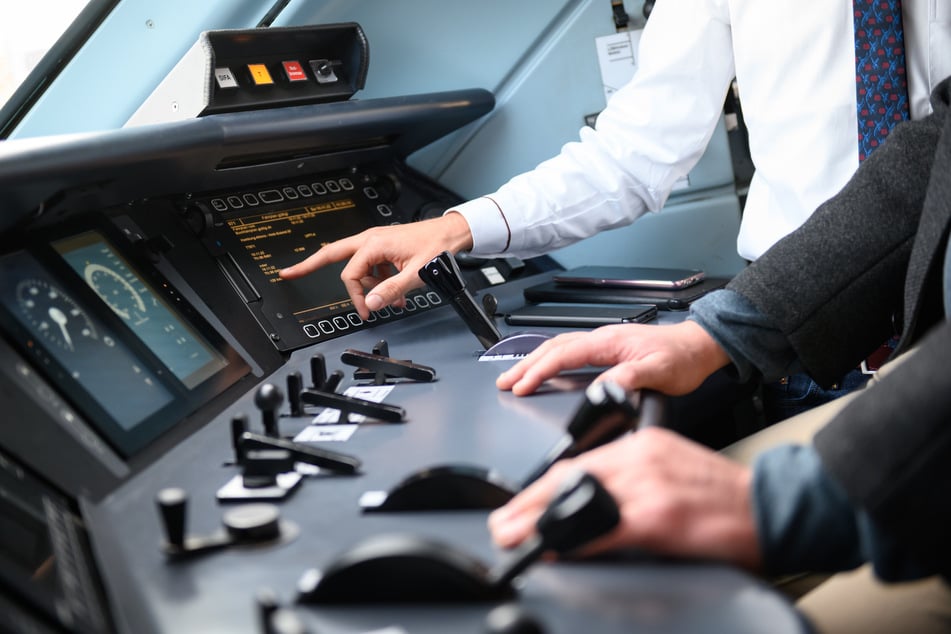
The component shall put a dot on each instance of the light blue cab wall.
(126, 58)
(537, 56)
(539, 59)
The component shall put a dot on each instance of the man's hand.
(374, 253)
(673, 359)
(675, 498)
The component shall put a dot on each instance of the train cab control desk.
(185, 435)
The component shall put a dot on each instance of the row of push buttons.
(340, 323)
(271, 196)
(293, 71)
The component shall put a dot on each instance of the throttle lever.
(581, 511)
(605, 413)
(442, 274)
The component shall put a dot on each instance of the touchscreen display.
(70, 337)
(272, 241)
(125, 349)
(179, 346)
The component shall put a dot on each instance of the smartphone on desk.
(581, 315)
(629, 277)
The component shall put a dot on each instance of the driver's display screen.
(274, 240)
(179, 346)
(64, 332)
(129, 352)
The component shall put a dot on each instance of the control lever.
(604, 414)
(332, 382)
(295, 383)
(318, 375)
(443, 275)
(249, 524)
(268, 399)
(384, 367)
(239, 425)
(263, 466)
(348, 405)
(318, 371)
(581, 511)
(266, 474)
(389, 568)
(299, 452)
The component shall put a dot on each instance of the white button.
(225, 78)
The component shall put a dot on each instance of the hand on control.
(672, 359)
(675, 497)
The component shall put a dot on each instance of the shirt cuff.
(491, 234)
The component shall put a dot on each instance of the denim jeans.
(798, 392)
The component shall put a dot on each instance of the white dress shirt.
(794, 62)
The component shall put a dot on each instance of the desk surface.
(460, 417)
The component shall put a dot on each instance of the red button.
(294, 71)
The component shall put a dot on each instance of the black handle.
(605, 413)
(581, 511)
(323, 458)
(349, 405)
(442, 274)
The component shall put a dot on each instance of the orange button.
(260, 74)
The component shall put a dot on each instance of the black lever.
(381, 348)
(581, 511)
(604, 414)
(268, 399)
(239, 425)
(295, 383)
(261, 467)
(318, 371)
(172, 504)
(350, 405)
(443, 275)
(332, 382)
(385, 367)
(299, 452)
(247, 524)
(651, 409)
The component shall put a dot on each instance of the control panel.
(246, 69)
(190, 442)
(254, 233)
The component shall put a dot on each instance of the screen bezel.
(126, 441)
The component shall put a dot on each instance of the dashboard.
(187, 437)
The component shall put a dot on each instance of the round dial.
(53, 315)
(116, 291)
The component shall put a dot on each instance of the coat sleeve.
(834, 286)
(890, 449)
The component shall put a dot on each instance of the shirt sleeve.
(651, 133)
(807, 523)
(754, 345)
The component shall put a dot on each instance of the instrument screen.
(188, 355)
(129, 353)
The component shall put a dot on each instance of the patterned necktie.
(881, 88)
